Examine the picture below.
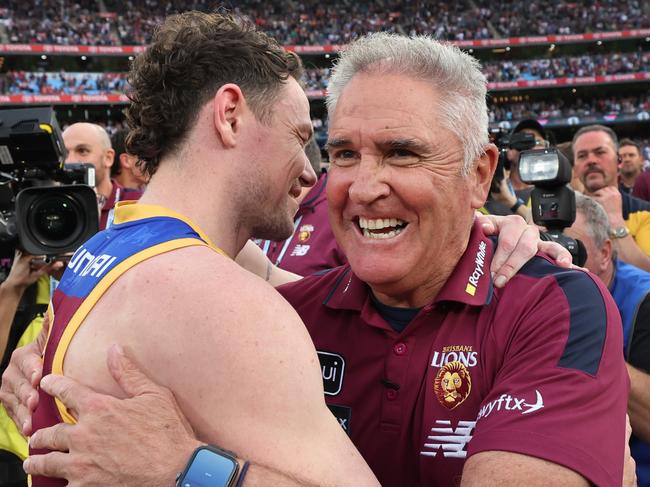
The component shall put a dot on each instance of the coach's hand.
(142, 440)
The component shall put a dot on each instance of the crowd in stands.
(33, 83)
(557, 107)
(568, 66)
(317, 78)
(58, 22)
(312, 22)
(546, 17)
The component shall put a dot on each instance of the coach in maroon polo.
(433, 372)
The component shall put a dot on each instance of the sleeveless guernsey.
(139, 232)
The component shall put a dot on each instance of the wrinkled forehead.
(385, 101)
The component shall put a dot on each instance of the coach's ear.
(229, 105)
(482, 172)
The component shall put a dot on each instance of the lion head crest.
(452, 384)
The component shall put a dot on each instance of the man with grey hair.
(630, 287)
(595, 149)
(433, 370)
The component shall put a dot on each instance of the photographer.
(508, 193)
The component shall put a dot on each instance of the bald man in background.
(89, 143)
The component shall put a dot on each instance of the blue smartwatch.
(209, 467)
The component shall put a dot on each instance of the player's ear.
(229, 105)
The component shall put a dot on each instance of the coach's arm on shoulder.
(514, 469)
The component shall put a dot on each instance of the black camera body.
(505, 141)
(553, 203)
(37, 213)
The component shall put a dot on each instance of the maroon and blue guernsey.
(535, 368)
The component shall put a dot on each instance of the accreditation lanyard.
(285, 246)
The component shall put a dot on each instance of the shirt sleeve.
(639, 352)
(639, 225)
(560, 392)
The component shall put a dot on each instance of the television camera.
(47, 207)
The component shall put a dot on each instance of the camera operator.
(24, 296)
(40, 216)
(90, 143)
(509, 194)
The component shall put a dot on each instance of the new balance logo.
(451, 442)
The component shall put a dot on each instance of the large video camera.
(46, 207)
(504, 140)
(553, 203)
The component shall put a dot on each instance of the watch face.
(209, 469)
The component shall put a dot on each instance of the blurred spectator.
(630, 164)
(595, 149)
(124, 169)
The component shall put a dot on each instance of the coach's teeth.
(380, 223)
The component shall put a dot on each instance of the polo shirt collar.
(469, 283)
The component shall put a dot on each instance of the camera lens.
(55, 220)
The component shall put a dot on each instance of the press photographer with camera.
(508, 193)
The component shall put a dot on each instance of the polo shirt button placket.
(400, 348)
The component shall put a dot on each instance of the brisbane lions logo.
(452, 384)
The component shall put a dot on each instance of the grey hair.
(455, 74)
(595, 218)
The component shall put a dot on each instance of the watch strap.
(619, 232)
(517, 204)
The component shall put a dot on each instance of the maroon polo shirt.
(118, 193)
(534, 368)
(312, 247)
(642, 186)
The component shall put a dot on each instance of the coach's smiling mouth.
(381, 228)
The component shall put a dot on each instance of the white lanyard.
(267, 243)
